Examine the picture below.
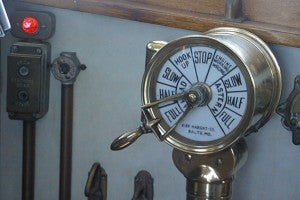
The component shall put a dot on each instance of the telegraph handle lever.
(129, 137)
(126, 139)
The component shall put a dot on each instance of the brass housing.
(258, 66)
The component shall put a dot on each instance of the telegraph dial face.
(214, 88)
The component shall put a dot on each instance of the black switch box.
(28, 77)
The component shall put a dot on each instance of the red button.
(30, 25)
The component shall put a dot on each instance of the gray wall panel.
(107, 100)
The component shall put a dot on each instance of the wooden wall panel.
(212, 7)
(279, 12)
(275, 21)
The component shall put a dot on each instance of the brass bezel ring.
(148, 96)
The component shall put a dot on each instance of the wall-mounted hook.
(96, 185)
(143, 186)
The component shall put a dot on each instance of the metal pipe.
(66, 141)
(28, 160)
(233, 9)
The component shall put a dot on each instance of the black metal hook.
(143, 186)
(96, 185)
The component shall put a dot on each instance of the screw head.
(38, 51)
(188, 157)
(192, 97)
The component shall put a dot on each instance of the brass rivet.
(188, 157)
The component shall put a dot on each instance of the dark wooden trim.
(178, 18)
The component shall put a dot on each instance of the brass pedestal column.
(210, 176)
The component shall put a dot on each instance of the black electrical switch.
(28, 76)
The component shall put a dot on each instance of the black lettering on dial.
(229, 94)
(219, 96)
(171, 75)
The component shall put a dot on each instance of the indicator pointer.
(169, 98)
(187, 111)
(197, 95)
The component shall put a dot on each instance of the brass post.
(151, 48)
(210, 176)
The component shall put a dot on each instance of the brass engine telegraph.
(202, 94)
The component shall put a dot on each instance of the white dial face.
(220, 73)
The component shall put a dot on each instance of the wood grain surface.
(275, 21)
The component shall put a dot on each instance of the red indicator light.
(30, 25)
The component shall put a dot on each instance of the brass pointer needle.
(186, 112)
(169, 98)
